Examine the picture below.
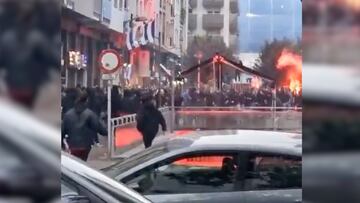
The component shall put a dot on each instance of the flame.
(256, 82)
(353, 4)
(291, 63)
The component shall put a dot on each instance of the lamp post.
(198, 56)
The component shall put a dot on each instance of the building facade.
(90, 26)
(170, 37)
(215, 18)
(86, 30)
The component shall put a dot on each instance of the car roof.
(331, 84)
(236, 139)
(78, 167)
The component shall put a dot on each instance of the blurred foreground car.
(217, 166)
(331, 134)
(82, 184)
(29, 157)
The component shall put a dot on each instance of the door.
(272, 178)
(196, 178)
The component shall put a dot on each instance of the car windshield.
(135, 160)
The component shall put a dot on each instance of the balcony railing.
(213, 4)
(234, 7)
(213, 21)
(193, 3)
(192, 22)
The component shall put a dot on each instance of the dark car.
(217, 166)
(331, 134)
(29, 157)
(82, 184)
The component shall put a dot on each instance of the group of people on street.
(83, 116)
(84, 110)
(251, 97)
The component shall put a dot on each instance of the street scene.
(181, 101)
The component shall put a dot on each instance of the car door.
(272, 178)
(191, 178)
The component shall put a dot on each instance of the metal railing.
(218, 118)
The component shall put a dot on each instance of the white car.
(231, 166)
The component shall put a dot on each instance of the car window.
(70, 190)
(268, 172)
(135, 160)
(190, 174)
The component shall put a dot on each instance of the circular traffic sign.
(109, 61)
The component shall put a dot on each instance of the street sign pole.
(109, 127)
(172, 100)
(274, 108)
(110, 62)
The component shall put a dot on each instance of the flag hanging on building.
(144, 39)
(150, 29)
(135, 43)
(129, 38)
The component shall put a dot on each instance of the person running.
(148, 120)
(78, 127)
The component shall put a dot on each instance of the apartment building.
(87, 28)
(90, 26)
(215, 18)
(169, 36)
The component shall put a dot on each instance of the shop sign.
(78, 60)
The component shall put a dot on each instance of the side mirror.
(75, 199)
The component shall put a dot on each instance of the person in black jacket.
(79, 125)
(148, 120)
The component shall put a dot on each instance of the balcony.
(192, 22)
(193, 3)
(234, 7)
(97, 9)
(213, 4)
(233, 25)
(213, 21)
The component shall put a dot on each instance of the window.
(116, 3)
(190, 174)
(120, 4)
(71, 190)
(125, 4)
(266, 172)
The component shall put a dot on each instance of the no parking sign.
(109, 61)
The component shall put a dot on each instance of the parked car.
(82, 184)
(29, 157)
(217, 166)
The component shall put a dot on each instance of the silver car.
(217, 166)
(80, 183)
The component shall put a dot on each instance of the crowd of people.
(83, 116)
(252, 97)
(84, 109)
(128, 101)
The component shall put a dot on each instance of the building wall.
(223, 12)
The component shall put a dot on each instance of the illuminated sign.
(78, 60)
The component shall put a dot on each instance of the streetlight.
(198, 56)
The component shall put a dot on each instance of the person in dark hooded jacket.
(79, 125)
(148, 120)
